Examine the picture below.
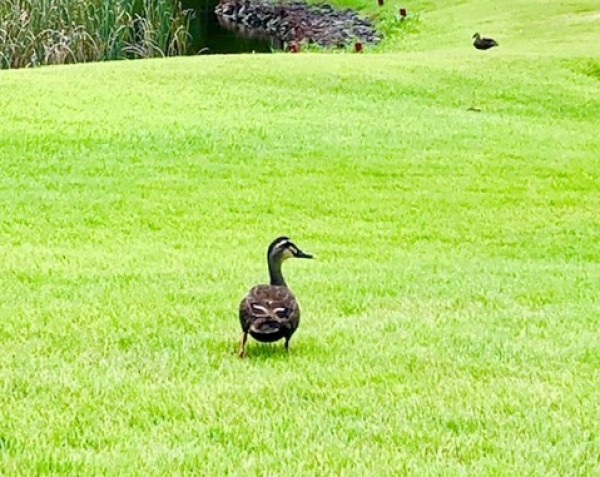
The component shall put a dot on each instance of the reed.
(46, 32)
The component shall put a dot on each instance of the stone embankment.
(295, 22)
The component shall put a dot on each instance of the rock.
(296, 21)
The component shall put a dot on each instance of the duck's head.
(476, 36)
(283, 248)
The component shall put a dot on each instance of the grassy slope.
(451, 319)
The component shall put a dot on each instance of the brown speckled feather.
(269, 313)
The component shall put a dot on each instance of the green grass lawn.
(450, 322)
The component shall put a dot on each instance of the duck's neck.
(275, 271)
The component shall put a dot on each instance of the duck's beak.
(301, 254)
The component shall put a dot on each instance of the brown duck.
(270, 312)
(483, 43)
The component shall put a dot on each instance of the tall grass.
(46, 32)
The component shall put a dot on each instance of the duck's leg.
(287, 342)
(243, 344)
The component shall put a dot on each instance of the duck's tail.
(268, 329)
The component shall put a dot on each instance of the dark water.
(217, 38)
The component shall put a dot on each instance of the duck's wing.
(269, 303)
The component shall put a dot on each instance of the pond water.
(212, 36)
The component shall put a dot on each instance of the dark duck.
(483, 43)
(270, 312)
